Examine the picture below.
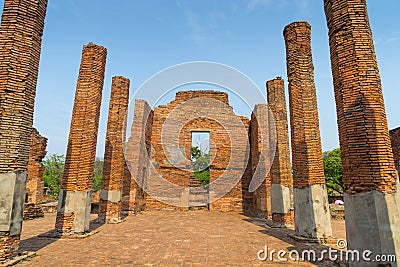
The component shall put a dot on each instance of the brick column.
(73, 212)
(20, 46)
(259, 145)
(35, 183)
(395, 140)
(312, 217)
(281, 171)
(114, 159)
(369, 174)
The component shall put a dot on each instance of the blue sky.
(144, 37)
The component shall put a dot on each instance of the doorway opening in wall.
(200, 156)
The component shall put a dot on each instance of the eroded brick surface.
(260, 163)
(114, 159)
(395, 138)
(363, 130)
(307, 162)
(281, 170)
(81, 150)
(21, 33)
(35, 183)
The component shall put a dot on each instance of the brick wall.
(137, 156)
(307, 162)
(363, 130)
(221, 152)
(35, 183)
(21, 33)
(395, 138)
(81, 150)
(114, 159)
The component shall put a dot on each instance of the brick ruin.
(160, 141)
(75, 194)
(21, 33)
(369, 173)
(395, 140)
(114, 159)
(34, 181)
(281, 169)
(188, 107)
(312, 217)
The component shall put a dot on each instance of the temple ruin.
(152, 170)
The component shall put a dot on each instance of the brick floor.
(166, 238)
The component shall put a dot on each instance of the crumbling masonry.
(281, 170)
(114, 159)
(20, 45)
(369, 174)
(73, 210)
(312, 216)
(35, 183)
(395, 138)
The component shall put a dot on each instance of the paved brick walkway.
(166, 238)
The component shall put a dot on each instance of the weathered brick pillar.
(312, 216)
(281, 171)
(369, 174)
(73, 210)
(35, 183)
(395, 140)
(20, 46)
(114, 159)
(259, 140)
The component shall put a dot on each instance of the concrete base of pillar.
(73, 212)
(12, 200)
(311, 212)
(110, 206)
(373, 223)
(282, 205)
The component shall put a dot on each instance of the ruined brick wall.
(363, 130)
(137, 156)
(21, 33)
(114, 159)
(307, 162)
(35, 183)
(81, 150)
(395, 138)
(259, 140)
(184, 107)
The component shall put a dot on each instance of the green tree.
(333, 171)
(98, 174)
(54, 168)
(201, 165)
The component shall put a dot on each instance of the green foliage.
(54, 168)
(203, 176)
(201, 165)
(98, 174)
(333, 171)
